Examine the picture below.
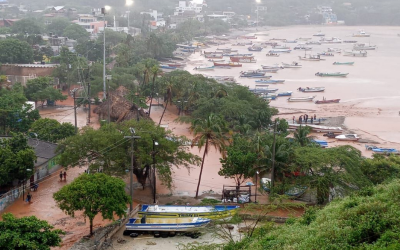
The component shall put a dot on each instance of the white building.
(188, 6)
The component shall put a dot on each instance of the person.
(315, 117)
(61, 175)
(65, 175)
(300, 119)
(35, 187)
(28, 197)
(294, 118)
(311, 120)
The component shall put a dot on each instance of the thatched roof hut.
(119, 107)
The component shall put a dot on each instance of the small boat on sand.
(293, 65)
(270, 81)
(356, 53)
(216, 60)
(165, 66)
(347, 137)
(334, 74)
(318, 128)
(326, 54)
(214, 56)
(231, 64)
(315, 58)
(361, 33)
(328, 101)
(272, 54)
(343, 63)
(255, 48)
(204, 68)
(286, 93)
(315, 89)
(386, 151)
(319, 33)
(274, 51)
(251, 74)
(301, 99)
(185, 224)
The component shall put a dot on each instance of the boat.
(204, 68)
(291, 41)
(280, 47)
(313, 43)
(293, 65)
(261, 77)
(334, 50)
(328, 101)
(363, 46)
(295, 191)
(274, 51)
(231, 64)
(186, 224)
(174, 211)
(343, 63)
(214, 56)
(275, 66)
(301, 99)
(266, 90)
(302, 47)
(321, 143)
(350, 41)
(212, 52)
(331, 41)
(304, 39)
(255, 48)
(269, 70)
(318, 128)
(278, 39)
(178, 65)
(239, 44)
(315, 89)
(386, 151)
(334, 74)
(243, 59)
(319, 33)
(251, 73)
(184, 46)
(270, 81)
(347, 137)
(216, 60)
(356, 53)
(326, 54)
(361, 33)
(314, 58)
(164, 66)
(247, 37)
(286, 93)
(272, 54)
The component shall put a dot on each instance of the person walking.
(306, 118)
(311, 120)
(65, 175)
(61, 175)
(294, 118)
(300, 119)
(28, 197)
(315, 117)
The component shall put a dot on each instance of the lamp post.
(257, 2)
(23, 185)
(128, 3)
(109, 77)
(104, 11)
(154, 170)
(255, 199)
(273, 159)
(132, 137)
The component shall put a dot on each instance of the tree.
(15, 51)
(26, 26)
(41, 89)
(27, 233)
(51, 130)
(58, 25)
(301, 135)
(76, 32)
(93, 194)
(240, 161)
(208, 132)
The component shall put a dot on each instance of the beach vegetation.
(51, 130)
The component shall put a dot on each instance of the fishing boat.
(255, 48)
(231, 64)
(313, 43)
(166, 224)
(318, 128)
(319, 33)
(275, 66)
(286, 93)
(216, 60)
(173, 211)
(293, 65)
(274, 51)
(321, 143)
(248, 37)
(241, 59)
(214, 56)
(386, 151)
(334, 50)
(278, 39)
(270, 81)
(315, 89)
(347, 137)
(301, 99)
(280, 47)
(164, 66)
(363, 46)
(328, 101)
(330, 41)
(313, 58)
(304, 38)
(201, 68)
(350, 41)
(269, 70)
(291, 41)
(334, 74)
(178, 65)
(302, 47)
(212, 52)
(356, 53)
(239, 44)
(261, 77)
(361, 33)
(326, 54)
(251, 73)
(272, 54)
(343, 63)
(266, 90)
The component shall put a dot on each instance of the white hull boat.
(347, 137)
(183, 224)
(301, 99)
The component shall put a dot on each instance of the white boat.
(274, 51)
(330, 41)
(180, 224)
(313, 43)
(301, 99)
(347, 137)
(318, 128)
(204, 68)
(315, 89)
(280, 47)
(293, 65)
(363, 46)
(319, 33)
(302, 47)
(314, 58)
(356, 53)
(361, 33)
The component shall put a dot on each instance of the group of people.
(305, 118)
(63, 175)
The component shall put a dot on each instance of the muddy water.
(370, 95)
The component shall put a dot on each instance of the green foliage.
(15, 51)
(207, 201)
(93, 194)
(27, 26)
(27, 233)
(58, 25)
(381, 168)
(76, 32)
(41, 89)
(51, 130)
(16, 158)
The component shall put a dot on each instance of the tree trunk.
(165, 108)
(152, 94)
(201, 169)
(142, 174)
(91, 225)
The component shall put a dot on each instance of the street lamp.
(132, 137)
(154, 170)
(128, 3)
(255, 199)
(23, 185)
(257, 2)
(104, 11)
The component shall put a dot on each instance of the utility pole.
(73, 95)
(132, 137)
(90, 99)
(154, 170)
(273, 159)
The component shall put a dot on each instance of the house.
(217, 17)
(24, 72)
(188, 6)
(90, 23)
(8, 22)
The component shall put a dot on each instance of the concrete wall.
(20, 70)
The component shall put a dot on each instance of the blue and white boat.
(270, 81)
(286, 93)
(185, 224)
(385, 151)
(321, 143)
(268, 90)
(264, 77)
(166, 67)
(280, 51)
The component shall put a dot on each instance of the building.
(217, 17)
(8, 22)
(90, 23)
(327, 13)
(24, 72)
(188, 6)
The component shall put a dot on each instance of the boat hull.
(328, 101)
(212, 212)
(165, 225)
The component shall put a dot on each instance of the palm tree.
(208, 132)
(155, 70)
(301, 136)
(167, 98)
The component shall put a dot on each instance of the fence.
(9, 197)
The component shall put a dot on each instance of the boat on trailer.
(186, 224)
(174, 211)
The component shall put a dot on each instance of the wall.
(31, 69)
